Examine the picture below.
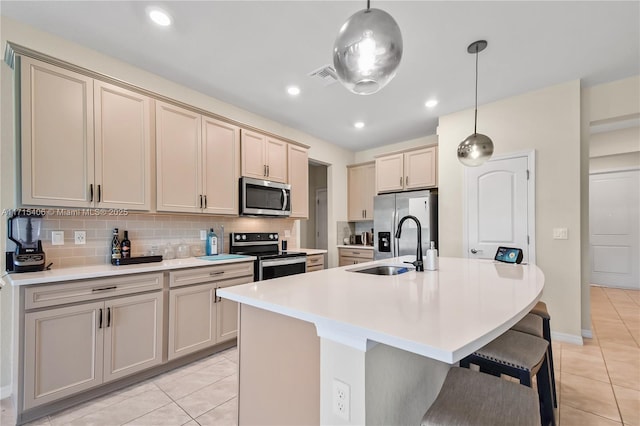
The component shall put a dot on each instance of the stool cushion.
(515, 349)
(530, 324)
(541, 310)
(471, 398)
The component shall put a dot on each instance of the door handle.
(474, 251)
(91, 193)
(200, 200)
(100, 319)
(99, 193)
(400, 180)
(267, 170)
(264, 170)
(406, 180)
(205, 201)
(108, 317)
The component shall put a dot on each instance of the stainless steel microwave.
(264, 198)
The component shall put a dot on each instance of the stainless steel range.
(271, 262)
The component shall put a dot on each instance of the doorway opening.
(314, 231)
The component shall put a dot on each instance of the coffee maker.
(24, 231)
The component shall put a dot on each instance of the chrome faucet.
(419, 264)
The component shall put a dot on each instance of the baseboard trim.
(567, 338)
(5, 392)
(587, 333)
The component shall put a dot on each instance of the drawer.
(315, 268)
(82, 290)
(360, 253)
(315, 260)
(211, 273)
(348, 260)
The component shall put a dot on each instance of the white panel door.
(497, 207)
(614, 222)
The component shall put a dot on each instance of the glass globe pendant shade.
(367, 52)
(475, 150)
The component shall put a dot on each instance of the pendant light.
(476, 148)
(367, 51)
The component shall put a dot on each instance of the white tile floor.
(202, 393)
(598, 383)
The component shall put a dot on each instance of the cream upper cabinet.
(390, 173)
(361, 190)
(220, 166)
(263, 157)
(299, 181)
(415, 169)
(56, 136)
(196, 162)
(70, 160)
(122, 147)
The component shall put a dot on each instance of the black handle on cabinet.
(406, 180)
(99, 193)
(91, 193)
(100, 319)
(108, 317)
(200, 200)
(104, 288)
(267, 170)
(205, 201)
(400, 180)
(264, 170)
(218, 298)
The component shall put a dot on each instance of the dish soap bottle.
(212, 243)
(125, 246)
(431, 262)
(115, 245)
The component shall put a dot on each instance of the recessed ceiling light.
(293, 90)
(431, 103)
(358, 124)
(159, 16)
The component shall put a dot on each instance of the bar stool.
(522, 356)
(470, 398)
(540, 328)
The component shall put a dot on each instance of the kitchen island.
(388, 340)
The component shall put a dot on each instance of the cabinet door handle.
(219, 299)
(91, 193)
(267, 170)
(400, 180)
(200, 200)
(108, 317)
(104, 288)
(100, 319)
(99, 193)
(264, 170)
(406, 180)
(205, 201)
(213, 274)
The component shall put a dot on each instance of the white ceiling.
(247, 52)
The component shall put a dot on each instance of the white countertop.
(444, 314)
(308, 251)
(108, 270)
(356, 246)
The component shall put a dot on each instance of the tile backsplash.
(145, 231)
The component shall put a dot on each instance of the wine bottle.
(115, 245)
(212, 243)
(125, 246)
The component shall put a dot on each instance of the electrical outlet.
(341, 399)
(203, 235)
(80, 237)
(287, 233)
(57, 238)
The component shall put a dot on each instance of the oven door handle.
(281, 262)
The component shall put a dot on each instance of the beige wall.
(548, 121)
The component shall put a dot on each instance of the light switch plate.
(57, 238)
(560, 234)
(287, 233)
(203, 235)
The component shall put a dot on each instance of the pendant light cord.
(475, 120)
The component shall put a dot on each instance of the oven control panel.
(254, 237)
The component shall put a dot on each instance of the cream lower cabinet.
(74, 348)
(315, 262)
(353, 256)
(198, 318)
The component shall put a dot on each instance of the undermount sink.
(383, 270)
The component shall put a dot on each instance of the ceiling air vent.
(325, 74)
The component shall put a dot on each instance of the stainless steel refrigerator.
(388, 209)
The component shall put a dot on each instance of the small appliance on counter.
(24, 231)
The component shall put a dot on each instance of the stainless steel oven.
(264, 198)
(270, 263)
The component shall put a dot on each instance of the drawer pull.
(104, 288)
(213, 274)
(355, 252)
